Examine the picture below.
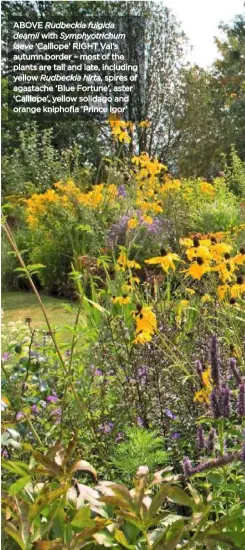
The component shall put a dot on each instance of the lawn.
(20, 305)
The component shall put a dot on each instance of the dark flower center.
(163, 252)
(196, 242)
(242, 250)
(213, 240)
(239, 280)
(232, 301)
(227, 256)
(200, 261)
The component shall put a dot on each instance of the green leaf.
(13, 532)
(16, 487)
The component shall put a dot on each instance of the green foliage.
(235, 173)
(141, 447)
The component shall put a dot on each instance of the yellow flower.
(190, 291)
(184, 303)
(198, 251)
(146, 324)
(220, 249)
(203, 395)
(197, 269)
(206, 298)
(207, 188)
(226, 270)
(239, 259)
(144, 124)
(222, 291)
(123, 263)
(166, 260)
(122, 300)
(132, 223)
(147, 219)
(237, 290)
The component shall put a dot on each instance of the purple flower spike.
(226, 406)
(187, 467)
(235, 371)
(200, 438)
(211, 439)
(176, 435)
(169, 414)
(214, 360)
(215, 401)
(241, 400)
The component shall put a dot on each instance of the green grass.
(20, 305)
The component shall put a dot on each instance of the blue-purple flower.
(5, 356)
(106, 428)
(52, 398)
(169, 414)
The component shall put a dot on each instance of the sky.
(200, 20)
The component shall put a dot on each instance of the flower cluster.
(146, 324)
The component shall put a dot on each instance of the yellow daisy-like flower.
(222, 291)
(199, 251)
(237, 290)
(132, 223)
(225, 270)
(203, 395)
(197, 269)
(122, 300)
(239, 259)
(148, 219)
(146, 324)
(166, 260)
(144, 124)
(220, 249)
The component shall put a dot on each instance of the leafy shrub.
(235, 173)
(141, 447)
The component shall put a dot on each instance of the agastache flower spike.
(214, 360)
(241, 400)
(235, 371)
(210, 441)
(187, 467)
(225, 392)
(199, 368)
(215, 402)
(200, 438)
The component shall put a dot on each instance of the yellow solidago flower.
(166, 260)
(207, 188)
(122, 300)
(132, 223)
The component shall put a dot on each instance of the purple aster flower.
(241, 400)
(187, 467)
(119, 437)
(140, 422)
(5, 356)
(122, 191)
(106, 428)
(19, 416)
(141, 374)
(211, 440)
(52, 398)
(169, 414)
(98, 372)
(235, 371)
(35, 409)
(200, 438)
(214, 360)
(176, 435)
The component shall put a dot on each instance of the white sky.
(200, 20)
